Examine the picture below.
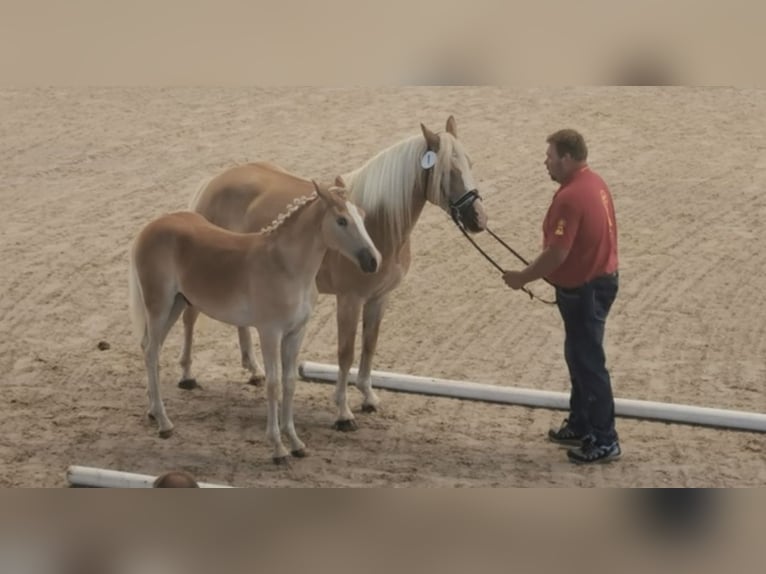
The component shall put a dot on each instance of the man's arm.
(543, 265)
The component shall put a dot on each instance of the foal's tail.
(197, 194)
(136, 302)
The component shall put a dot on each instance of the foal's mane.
(292, 207)
(384, 185)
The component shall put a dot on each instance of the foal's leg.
(249, 362)
(371, 319)
(348, 312)
(157, 328)
(270, 347)
(156, 406)
(291, 346)
(187, 380)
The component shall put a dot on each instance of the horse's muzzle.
(464, 212)
(367, 261)
(471, 221)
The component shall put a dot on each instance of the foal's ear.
(320, 192)
(432, 140)
(452, 126)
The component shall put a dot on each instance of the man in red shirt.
(580, 258)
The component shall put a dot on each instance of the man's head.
(566, 154)
(175, 479)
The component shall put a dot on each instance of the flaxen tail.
(136, 301)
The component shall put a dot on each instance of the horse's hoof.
(345, 425)
(188, 384)
(369, 409)
(280, 460)
(256, 380)
(300, 453)
(166, 433)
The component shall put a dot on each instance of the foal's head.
(343, 229)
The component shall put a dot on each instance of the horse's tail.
(195, 198)
(136, 301)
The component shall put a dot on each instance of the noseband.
(458, 208)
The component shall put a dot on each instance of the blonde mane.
(292, 207)
(383, 186)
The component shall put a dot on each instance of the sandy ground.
(84, 169)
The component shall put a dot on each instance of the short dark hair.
(175, 479)
(570, 142)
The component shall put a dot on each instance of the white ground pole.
(105, 478)
(666, 412)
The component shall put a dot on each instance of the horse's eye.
(342, 221)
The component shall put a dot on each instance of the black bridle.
(456, 208)
(457, 211)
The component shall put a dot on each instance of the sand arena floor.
(84, 169)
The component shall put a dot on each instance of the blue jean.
(584, 310)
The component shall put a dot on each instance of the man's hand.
(514, 279)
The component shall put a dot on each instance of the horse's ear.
(339, 181)
(341, 191)
(452, 126)
(432, 140)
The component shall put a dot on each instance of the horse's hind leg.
(157, 328)
(249, 362)
(349, 309)
(179, 304)
(371, 319)
(291, 346)
(190, 318)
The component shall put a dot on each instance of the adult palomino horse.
(392, 188)
(265, 280)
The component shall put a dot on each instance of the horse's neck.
(298, 242)
(379, 227)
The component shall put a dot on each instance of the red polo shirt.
(581, 219)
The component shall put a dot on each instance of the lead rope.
(493, 262)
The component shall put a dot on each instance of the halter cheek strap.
(426, 181)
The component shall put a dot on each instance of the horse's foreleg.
(371, 319)
(348, 312)
(291, 346)
(187, 380)
(249, 362)
(270, 347)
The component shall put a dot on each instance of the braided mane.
(292, 207)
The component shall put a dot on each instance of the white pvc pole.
(105, 478)
(667, 412)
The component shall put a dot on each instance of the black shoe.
(564, 435)
(591, 452)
